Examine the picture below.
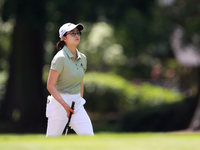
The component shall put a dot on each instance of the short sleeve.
(84, 62)
(57, 64)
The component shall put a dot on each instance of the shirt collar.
(78, 54)
(69, 53)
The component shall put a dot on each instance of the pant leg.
(57, 118)
(55, 127)
(81, 123)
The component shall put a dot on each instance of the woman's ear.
(64, 38)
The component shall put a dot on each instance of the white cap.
(68, 27)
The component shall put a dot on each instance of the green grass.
(102, 141)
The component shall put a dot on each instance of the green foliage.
(5, 43)
(110, 92)
(98, 44)
(3, 79)
(164, 117)
(126, 37)
(155, 95)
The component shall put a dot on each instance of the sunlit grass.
(102, 141)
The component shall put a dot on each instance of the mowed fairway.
(102, 141)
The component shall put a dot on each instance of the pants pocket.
(51, 106)
(54, 110)
(48, 107)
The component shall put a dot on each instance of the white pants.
(57, 116)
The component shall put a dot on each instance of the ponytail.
(60, 45)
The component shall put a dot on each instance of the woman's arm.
(52, 79)
(82, 89)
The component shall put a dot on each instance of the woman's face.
(72, 37)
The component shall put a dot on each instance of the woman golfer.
(65, 84)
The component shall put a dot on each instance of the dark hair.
(60, 44)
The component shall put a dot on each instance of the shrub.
(110, 96)
(164, 117)
(154, 95)
(109, 92)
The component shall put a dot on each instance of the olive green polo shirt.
(71, 70)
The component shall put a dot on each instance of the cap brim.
(80, 26)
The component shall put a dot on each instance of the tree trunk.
(23, 107)
(195, 122)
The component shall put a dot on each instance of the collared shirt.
(71, 70)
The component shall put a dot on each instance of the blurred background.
(143, 62)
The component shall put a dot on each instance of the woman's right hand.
(51, 82)
(68, 109)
